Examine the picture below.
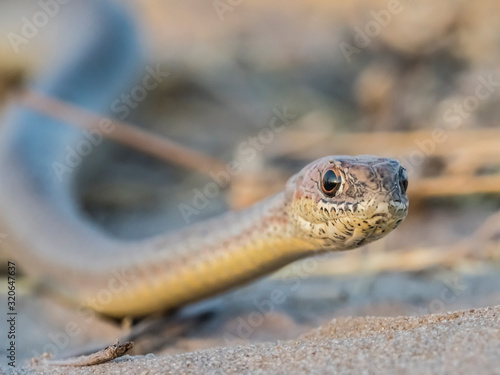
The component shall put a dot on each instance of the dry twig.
(102, 356)
(159, 147)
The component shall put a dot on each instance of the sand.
(463, 342)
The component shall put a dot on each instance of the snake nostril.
(403, 180)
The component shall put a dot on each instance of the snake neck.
(206, 259)
(260, 236)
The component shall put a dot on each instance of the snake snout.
(397, 198)
(403, 180)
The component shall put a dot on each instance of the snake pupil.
(403, 180)
(331, 182)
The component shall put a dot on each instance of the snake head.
(342, 202)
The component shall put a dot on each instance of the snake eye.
(403, 179)
(331, 183)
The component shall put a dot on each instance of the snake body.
(56, 245)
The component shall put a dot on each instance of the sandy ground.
(462, 342)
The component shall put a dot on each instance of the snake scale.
(335, 203)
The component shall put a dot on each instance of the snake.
(335, 203)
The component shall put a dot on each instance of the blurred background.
(415, 80)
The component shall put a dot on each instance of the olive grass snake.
(335, 203)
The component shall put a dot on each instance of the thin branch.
(102, 356)
(454, 185)
(159, 147)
